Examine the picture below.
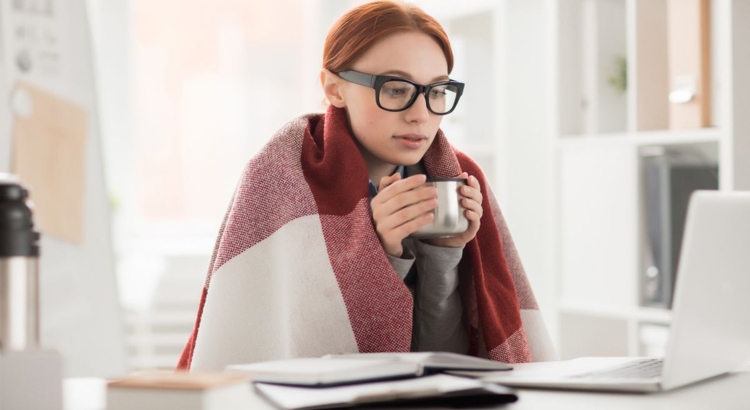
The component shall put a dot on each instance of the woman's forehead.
(412, 55)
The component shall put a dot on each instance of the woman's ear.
(332, 87)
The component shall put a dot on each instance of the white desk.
(726, 392)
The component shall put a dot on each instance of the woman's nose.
(418, 111)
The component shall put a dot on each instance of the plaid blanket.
(298, 271)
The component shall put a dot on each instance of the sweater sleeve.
(402, 265)
(438, 324)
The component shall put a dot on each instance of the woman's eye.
(395, 91)
(437, 93)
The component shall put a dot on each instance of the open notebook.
(356, 368)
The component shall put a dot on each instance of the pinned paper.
(49, 157)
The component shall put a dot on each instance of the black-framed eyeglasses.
(398, 94)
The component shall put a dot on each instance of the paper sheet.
(49, 156)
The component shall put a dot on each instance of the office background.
(564, 100)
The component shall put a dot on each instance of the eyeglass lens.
(396, 95)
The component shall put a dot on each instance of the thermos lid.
(17, 235)
(12, 192)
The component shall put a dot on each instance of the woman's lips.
(411, 141)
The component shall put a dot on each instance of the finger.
(471, 205)
(397, 234)
(424, 199)
(396, 186)
(386, 181)
(472, 215)
(404, 193)
(411, 226)
(405, 185)
(472, 190)
(472, 193)
(409, 213)
(474, 182)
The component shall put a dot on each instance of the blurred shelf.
(643, 138)
(637, 313)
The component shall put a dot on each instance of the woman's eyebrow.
(408, 76)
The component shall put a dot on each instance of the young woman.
(314, 255)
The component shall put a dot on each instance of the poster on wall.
(37, 36)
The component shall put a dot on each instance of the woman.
(314, 255)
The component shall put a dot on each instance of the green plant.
(619, 80)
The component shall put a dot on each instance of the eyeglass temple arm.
(358, 78)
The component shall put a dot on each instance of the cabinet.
(600, 142)
(579, 94)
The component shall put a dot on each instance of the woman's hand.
(472, 201)
(398, 210)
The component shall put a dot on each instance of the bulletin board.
(49, 138)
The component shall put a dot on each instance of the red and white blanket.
(298, 270)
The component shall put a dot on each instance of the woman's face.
(395, 138)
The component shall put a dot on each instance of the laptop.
(710, 333)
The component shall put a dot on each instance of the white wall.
(527, 141)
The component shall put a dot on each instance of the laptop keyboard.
(640, 369)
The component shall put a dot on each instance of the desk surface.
(725, 392)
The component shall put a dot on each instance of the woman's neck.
(378, 172)
(376, 168)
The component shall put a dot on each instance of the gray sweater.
(431, 274)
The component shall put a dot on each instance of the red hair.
(361, 27)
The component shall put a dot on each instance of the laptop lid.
(710, 325)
